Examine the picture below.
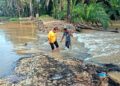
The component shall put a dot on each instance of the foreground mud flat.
(43, 70)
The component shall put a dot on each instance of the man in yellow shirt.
(52, 38)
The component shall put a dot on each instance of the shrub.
(90, 13)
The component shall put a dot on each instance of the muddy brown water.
(12, 36)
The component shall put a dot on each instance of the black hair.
(116, 28)
(55, 28)
(65, 29)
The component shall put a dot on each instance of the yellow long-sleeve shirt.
(52, 37)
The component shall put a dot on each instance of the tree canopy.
(74, 10)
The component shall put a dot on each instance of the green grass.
(9, 19)
(46, 17)
(14, 19)
(4, 18)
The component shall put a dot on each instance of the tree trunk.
(68, 11)
(87, 2)
(61, 5)
(31, 8)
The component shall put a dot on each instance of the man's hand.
(61, 41)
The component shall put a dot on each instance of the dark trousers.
(52, 45)
(67, 44)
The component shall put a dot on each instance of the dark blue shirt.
(67, 36)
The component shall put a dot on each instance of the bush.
(113, 9)
(90, 13)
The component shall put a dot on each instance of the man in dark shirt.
(67, 35)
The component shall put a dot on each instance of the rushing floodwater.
(97, 46)
(11, 36)
(104, 47)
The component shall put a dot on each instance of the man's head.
(55, 29)
(65, 29)
(116, 29)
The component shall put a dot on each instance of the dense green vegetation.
(91, 11)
